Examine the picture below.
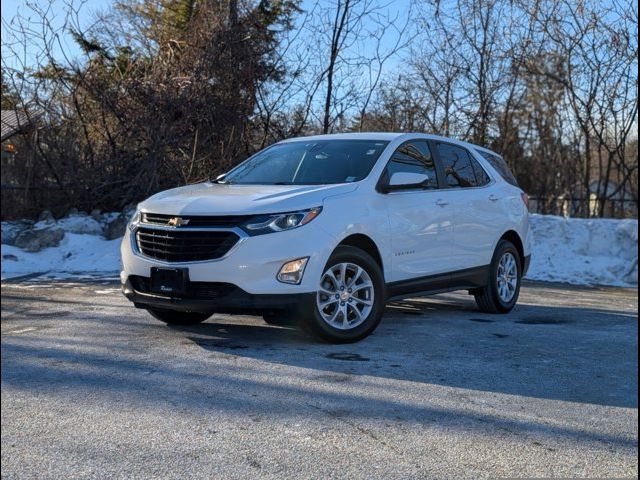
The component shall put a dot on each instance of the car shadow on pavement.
(328, 381)
(425, 353)
(569, 354)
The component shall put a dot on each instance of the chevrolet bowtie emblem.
(177, 222)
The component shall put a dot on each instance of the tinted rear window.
(460, 169)
(500, 166)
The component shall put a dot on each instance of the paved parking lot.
(92, 387)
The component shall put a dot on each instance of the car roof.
(387, 136)
(482, 149)
(348, 136)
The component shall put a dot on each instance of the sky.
(11, 8)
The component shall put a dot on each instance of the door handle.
(442, 203)
(493, 198)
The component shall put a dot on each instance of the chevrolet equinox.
(324, 230)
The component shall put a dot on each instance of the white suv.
(325, 230)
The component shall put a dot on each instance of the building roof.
(14, 121)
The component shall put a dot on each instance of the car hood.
(219, 199)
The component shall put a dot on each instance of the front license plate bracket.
(169, 281)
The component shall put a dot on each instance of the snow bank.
(576, 251)
(77, 253)
(584, 251)
(79, 224)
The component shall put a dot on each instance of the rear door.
(467, 187)
(421, 231)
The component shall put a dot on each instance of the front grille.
(195, 290)
(184, 245)
(227, 221)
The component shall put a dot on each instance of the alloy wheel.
(345, 296)
(507, 277)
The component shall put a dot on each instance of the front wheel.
(505, 276)
(175, 317)
(350, 299)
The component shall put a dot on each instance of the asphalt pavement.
(93, 388)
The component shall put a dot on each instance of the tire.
(175, 317)
(362, 297)
(500, 296)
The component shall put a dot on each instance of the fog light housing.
(291, 272)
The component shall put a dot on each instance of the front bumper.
(252, 264)
(213, 297)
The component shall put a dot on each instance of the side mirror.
(406, 181)
(219, 179)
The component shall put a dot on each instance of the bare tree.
(124, 120)
(167, 92)
(356, 39)
(598, 47)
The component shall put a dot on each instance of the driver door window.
(413, 157)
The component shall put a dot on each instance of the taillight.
(525, 199)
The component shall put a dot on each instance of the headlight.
(134, 220)
(279, 222)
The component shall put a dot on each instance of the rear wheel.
(505, 276)
(175, 317)
(350, 299)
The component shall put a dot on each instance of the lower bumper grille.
(195, 290)
(184, 245)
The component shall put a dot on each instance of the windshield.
(319, 162)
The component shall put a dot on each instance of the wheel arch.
(365, 243)
(513, 237)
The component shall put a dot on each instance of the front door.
(421, 224)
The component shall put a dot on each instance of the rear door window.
(482, 178)
(460, 168)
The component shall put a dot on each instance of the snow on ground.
(576, 251)
(77, 253)
(584, 251)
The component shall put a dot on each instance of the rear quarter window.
(500, 166)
